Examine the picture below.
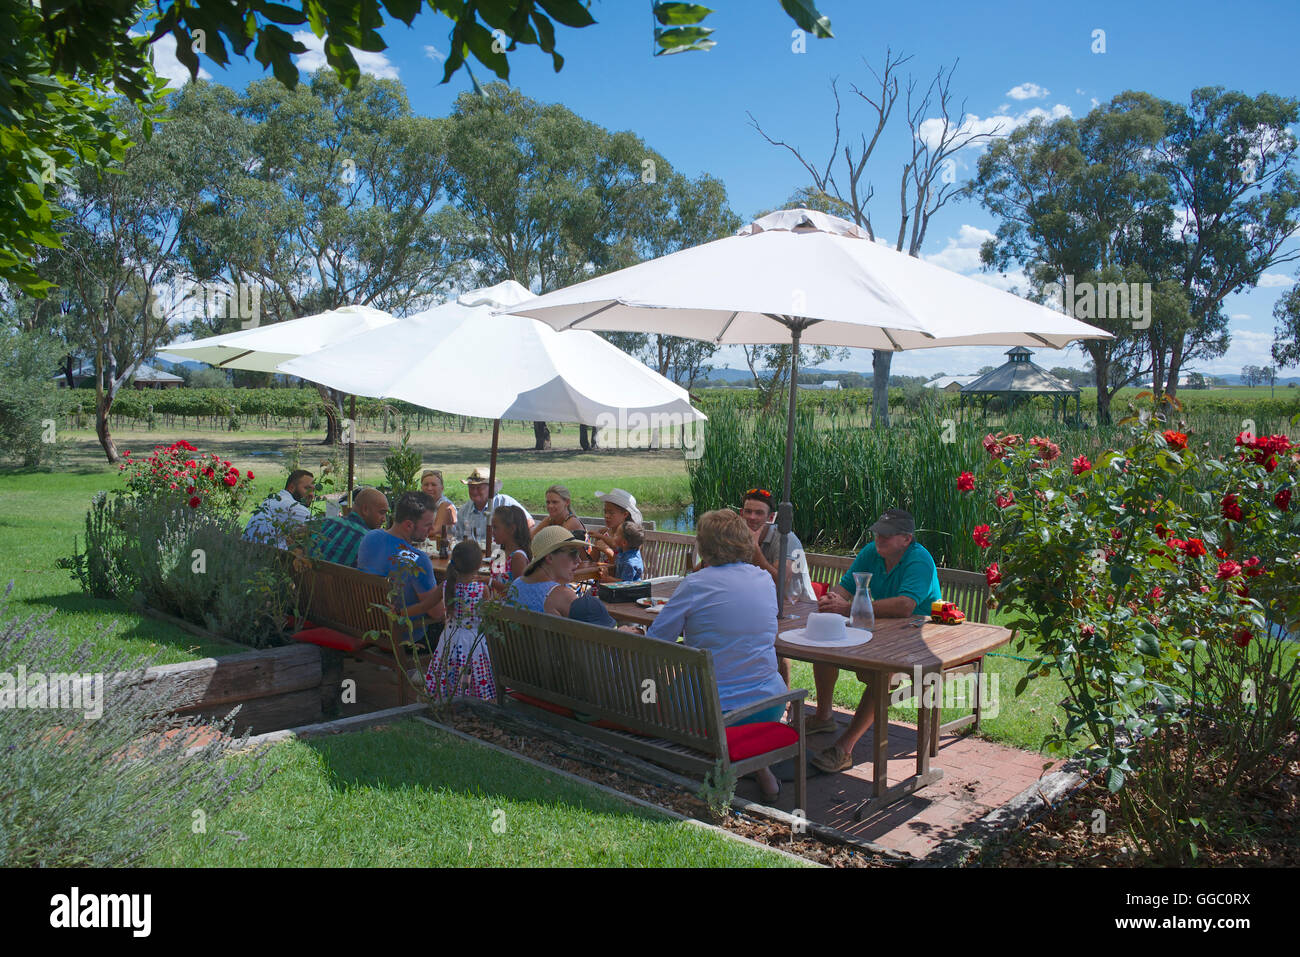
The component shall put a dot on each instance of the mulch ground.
(1261, 827)
(762, 830)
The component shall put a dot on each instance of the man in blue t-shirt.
(904, 580)
(391, 554)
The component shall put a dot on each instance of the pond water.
(672, 520)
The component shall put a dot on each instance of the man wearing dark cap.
(904, 578)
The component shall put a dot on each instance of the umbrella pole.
(492, 483)
(785, 513)
(352, 445)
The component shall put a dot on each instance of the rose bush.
(180, 473)
(1156, 582)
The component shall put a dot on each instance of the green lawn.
(408, 795)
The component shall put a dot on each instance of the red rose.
(1116, 534)
(190, 490)
(981, 536)
(1005, 500)
(1047, 449)
(966, 482)
(1241, 637)
(1253, 567)
(1231, 510)
(231, 479)
(1088, 630)
(1194, 547)
(1283, 499)
(1161, 530)
(250, 475)
(1176, 440)
(1228, 570)
(993, 447)
(194, 502)
(1157, 593)
(1080, 465)
(209, 473)
(992, 575)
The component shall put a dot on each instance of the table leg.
(880, 743)
(927, 697)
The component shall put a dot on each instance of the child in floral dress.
(461, 664)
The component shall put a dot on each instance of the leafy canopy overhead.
(84, 35)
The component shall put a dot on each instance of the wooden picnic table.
(915, 647)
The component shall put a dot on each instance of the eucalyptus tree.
(546, 198)
(339, 198)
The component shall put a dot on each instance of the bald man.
(338, 539)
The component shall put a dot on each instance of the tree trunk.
(587, 438)
(103, 406)
(333, 402)
(880, 362)
(542, 433)
(1101, 373)
(1175, 366)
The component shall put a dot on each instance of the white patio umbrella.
(262, 348)
(798, 276)
(462, 358)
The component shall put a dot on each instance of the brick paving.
(978, 777)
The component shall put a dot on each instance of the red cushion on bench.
(749, 740)
(329, 638)
(544, 705)
(820, 588)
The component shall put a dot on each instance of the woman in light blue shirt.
(729, 607)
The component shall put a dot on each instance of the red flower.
(992, 575)
(1157, 593)
(1253, 567)
(194, 502)
(190, 490)
(1243, 591)
(209, 473)
(1231, 510)
(1161, 530)
(1221, 553)
(1228, 570)
(966, 482)
(993, 447)
(231, 479)
(1283, 500)
(1241, 637)
(1088, 630)
(981, 536)
(1194, 547)
(1116, 534)
(1005, 500)
(1080, 464)
(1176, 440)
(1047, 449)
(250, 475)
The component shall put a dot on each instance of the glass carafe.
(861, 614)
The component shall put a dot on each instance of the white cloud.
(932, 129)
(1079, 92)
(962, 252)
(1027, 91)
(1273, 280)
(166, 64)
(376, 64)
(433, 53)
(1239, 317)
(1095, 103)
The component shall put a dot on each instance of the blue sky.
(1013, 58)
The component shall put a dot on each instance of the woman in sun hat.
(620, 506)
(557, 552)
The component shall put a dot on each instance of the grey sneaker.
(831, 760)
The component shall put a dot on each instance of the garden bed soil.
(762, 830)
(1261, 829)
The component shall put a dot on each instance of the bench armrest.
(731, 717)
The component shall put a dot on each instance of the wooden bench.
(969, 591)
(339, 602)
(655, 699)
(591, 521)
(667, 553)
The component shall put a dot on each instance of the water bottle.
(861, 614)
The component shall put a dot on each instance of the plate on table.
(652, 605)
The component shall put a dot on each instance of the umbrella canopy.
(262, 348)
(800, 276)
(461, 358)
(801, 264)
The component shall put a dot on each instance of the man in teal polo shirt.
(904, 579)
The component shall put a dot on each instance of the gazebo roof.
(1021, 375)
(144, 373)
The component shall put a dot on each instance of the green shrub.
(78, 790)
(402, 466)
(31, 404)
